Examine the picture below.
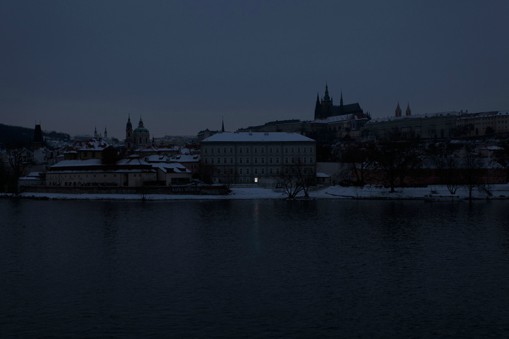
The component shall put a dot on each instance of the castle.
(325, 108)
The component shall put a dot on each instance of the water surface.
(261, 268)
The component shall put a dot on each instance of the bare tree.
(296, 178)
(17, 165)
(501, 156)
(472, 171)
(396, 160)
(359, 157)
(447, 165)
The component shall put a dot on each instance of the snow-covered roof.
(171, 168)
(185, 158)
(257, 137)
(80, 163)
(97, 163)
(91, 145)
(102, 171)
(131, 161)
(156, 158)
(416, 116)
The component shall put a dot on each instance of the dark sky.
(182, 65)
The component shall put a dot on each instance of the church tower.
(408, 112)
(129, 134)
(38, 138)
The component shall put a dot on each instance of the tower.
(38, 139)
(129, 133)
(323, 108)
(105, 133)
(398, 111)
(408, 112)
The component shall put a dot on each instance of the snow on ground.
(332, 192)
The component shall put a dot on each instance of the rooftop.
(257, 137)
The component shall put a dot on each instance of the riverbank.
(429, 193)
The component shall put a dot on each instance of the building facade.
(251, 157)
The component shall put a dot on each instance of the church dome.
(141, 135)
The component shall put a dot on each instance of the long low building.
(257, 157)
(131, 172)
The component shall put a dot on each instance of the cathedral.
(138, 137)
(325, 108)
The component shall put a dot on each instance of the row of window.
(293, 160)
(261, 171)
(271, 150)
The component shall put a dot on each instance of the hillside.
(15, 136)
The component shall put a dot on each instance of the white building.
(264, 157)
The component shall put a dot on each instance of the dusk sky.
(183, 65)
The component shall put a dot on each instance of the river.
(257, 268)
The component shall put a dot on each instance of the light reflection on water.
(253, 268)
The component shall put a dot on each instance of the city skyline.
(184, 66)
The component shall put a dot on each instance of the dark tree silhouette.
(396, 160)
(296, 178)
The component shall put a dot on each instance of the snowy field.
(434, 193)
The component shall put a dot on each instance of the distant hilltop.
(16, 136)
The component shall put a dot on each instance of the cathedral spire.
(326, 96)
(222, 124)
(398, 111)
(408, 111)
